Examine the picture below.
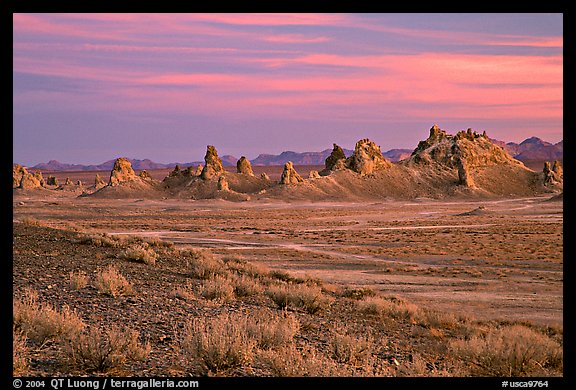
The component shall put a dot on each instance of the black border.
(568, 380)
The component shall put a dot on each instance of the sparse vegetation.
(111, 282)
(350, 349)
(309, 298)
(203, 265)
(510, 351)
(272, 331)
(218, 312)
(218, 288)
(245, 286)
(391, 307)
(78, 280)
(101, 240)
(217, 343)
(41, 322)
(20, 352)
(140, 253)
(102, 351)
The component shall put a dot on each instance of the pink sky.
(266, 83)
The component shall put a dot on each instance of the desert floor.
(492, 259)
(503, 261)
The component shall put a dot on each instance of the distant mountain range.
(533, 149)
(530, 149)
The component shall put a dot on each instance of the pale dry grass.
(357, 293)
(390, 307)
(102, 351)
(185, 292)
(218, 288)
(111, 282)
(243, 267)
(203, 265)
(217, 343)
(351, 349)
(290, 361)
(30, 221)
(41, 322)
(272, 331)
(510, 351)
(141, 253)
(309, 298)
(20, 353)
(246, 286)
(101, 240)
(78, 280)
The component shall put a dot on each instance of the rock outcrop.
(464, 176)
(18, 171)
(53, 181)
(553, 175)
(244, 167)
(122, 172)
(175, 172)
(25, 180)
(314, 175)
(213, 164)
(223, 184)
(289, 175)
(98, 182)
(264, 176)
(199, 169)
(337, 159)
(467, 147)
(40, 178)
(557, 169)
(367, 158)
(144, 175)
(29, 181)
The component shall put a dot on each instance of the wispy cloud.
(343, 68)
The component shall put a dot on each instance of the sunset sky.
(92, 87)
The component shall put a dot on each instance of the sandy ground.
(503, 261)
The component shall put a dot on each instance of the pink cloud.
(295, 38)
(272, 19)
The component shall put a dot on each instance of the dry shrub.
(111, 282)
(101, 240)
(141, 253)
(103, 351)
(418, 367)
(184, 292)
(29, 221)
(20, 352)
(437, 319)
(390, 307)
(42, 322)
(271, 331)
(243, 267)
(78, 280)
(218, 343)
(203, 265)
(219, 288)
(357, 293)
(245, 286)
(285, 277)
(510, 351)
(289, 361)
(158, 243)
(351, 349)
(308, 298)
